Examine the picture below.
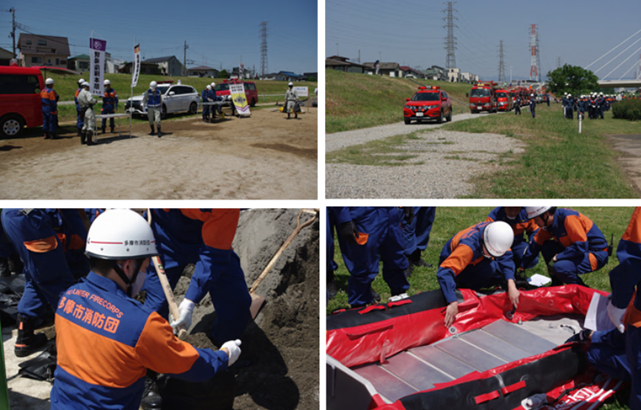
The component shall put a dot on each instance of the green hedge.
(627, 109)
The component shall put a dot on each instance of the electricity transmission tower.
(501, 64)
(450, 40)
(263, 48)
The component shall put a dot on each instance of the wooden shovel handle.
(284, 246)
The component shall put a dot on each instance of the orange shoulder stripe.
(633, 232)
(42, 245)
(459, 259)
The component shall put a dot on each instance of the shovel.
(257, 300)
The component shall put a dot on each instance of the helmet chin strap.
(128, 282)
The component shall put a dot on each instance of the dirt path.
(262, 157)
(630, 147)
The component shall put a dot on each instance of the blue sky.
(218, 33)
(577, 32)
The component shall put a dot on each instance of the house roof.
(331, 62)
(289, 74)
(202, 68)
(80, 57)
(158, 59)
(5, 52)
(54, 45)
(383, 66)
(410, 69)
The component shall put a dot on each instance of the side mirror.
(37, 91)
(172, 93)
(444, 99)
(407, 99)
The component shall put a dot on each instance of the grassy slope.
(451, 220)
(66, 86)
(359, 101)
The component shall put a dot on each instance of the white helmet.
(569, 95)
(290, 84)
(84, 84)
(120, 234)
(209, 87)
(82, 80)
(49, 81)
(534, 211)
(107, 82)
(153, 84)
(498, 237)
(601, 93)
(213, 85)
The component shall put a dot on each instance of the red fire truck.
(483, 97)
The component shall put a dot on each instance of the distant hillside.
(356, 101)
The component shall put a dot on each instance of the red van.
(251, 93)
(20, 104)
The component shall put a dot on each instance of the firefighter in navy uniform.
(517, 106)
(516, 217)
(106, 340)
(533, 105)
(79, 112)
(571, 244)
(49, 100)
(206, 108)
(474, 258)
(109, 105)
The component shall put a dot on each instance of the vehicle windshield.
(426, 97)
(480, 92)
(504, 95)
(222, 87)
(163, 89)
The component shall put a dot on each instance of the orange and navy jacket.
(211, 231)
(106, 341)
(49, 99)
(520, 224)
(110, 99)
(69, 228)
(574, 231)
(627, 275)
(464, 249)
(75, 98)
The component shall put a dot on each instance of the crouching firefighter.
(106, 340)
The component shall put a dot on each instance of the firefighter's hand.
(186, 310)
(348, 231)
(513, 293)
(616, 316)
(232, 349)
(450, 314)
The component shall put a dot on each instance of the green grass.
(558, 162)
(357, 101)
(449, 221)
(385, 152)
(66, 86)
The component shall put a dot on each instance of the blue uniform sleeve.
(211, 263)
(532, 251)
(506, 265)
(447, 282)
(625, 276)
(341, 214)
(205, 367)
(72, 217)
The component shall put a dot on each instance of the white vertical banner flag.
(136, 67)
(97, 64)
(238, 98)
(241, 70)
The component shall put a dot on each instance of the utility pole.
(450, 40)
(359, 56)
(263, 48)
(185, 58)
(13, 29)
(501, 63)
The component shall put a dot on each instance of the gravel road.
(340, 140)
(446, 161)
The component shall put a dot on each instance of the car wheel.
(449, 116)
(439, 120)
(252, 103)
(11, 126)
(407, 120)
(163, 112)
(193, 108)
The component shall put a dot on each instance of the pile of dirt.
(279, 365)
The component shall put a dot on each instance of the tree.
(223, 74)
(573, 80)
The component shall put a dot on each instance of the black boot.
(53, 136)
(159, 131)
(79, 132)
(47, 135)
(415, 259)
(151, 398)
(408, 272)
(104, 130)
(112, 130)
(376, 296)
(153, 131)
(83, 137)
(27, 342)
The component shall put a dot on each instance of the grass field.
(66, 86)
(448, 221)
(357, 101)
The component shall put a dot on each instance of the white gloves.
(234, 350)
(616, 316)
(186, 309)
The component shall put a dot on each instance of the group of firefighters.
(108, 342)
(595, 104)
(496, 253)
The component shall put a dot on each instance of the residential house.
(312, 76)
(342, 64)
(5, 56)
(469, 78)
(454, 75)
(435, 73)
(39, 50)
(406, 71)
(168, 65)
(80, 63)
(145, 68)
(389, 69)
(203, 71)
(235, 73)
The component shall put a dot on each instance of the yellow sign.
(238, 98)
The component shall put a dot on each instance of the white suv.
(175, 98)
